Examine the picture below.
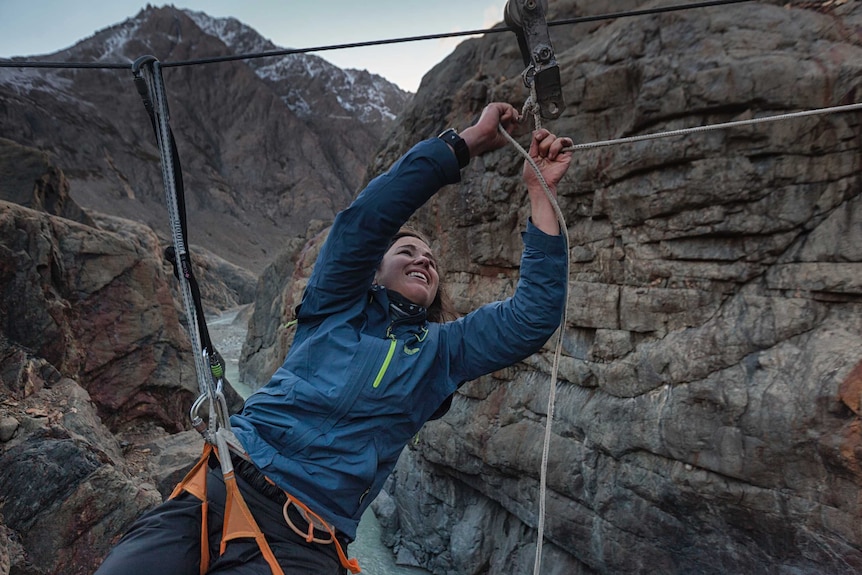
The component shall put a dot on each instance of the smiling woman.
(228, 331)
(367, 368)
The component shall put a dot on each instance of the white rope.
(552, 392)
(724, 126)
(531, 106)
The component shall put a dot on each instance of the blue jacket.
(359, 382)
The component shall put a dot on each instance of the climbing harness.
(219, 440)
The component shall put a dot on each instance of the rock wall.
(707, 416)
(95, 373)
(91, 284)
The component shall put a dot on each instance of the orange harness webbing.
(195, 482)
(239, 522)
(313, 519)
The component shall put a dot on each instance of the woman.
(366, 369)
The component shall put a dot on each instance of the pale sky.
(32, 27)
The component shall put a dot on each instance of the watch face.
(449, 136)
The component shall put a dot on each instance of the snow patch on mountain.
(24, 81)
(365, 96)
(232, 33)
(121, 34)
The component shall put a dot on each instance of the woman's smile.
(409, 268)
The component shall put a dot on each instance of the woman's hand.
(484, 136)
(546, 152)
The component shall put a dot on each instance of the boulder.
(97, 307)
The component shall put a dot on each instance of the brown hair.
(441, 309)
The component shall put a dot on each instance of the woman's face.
(409, 268)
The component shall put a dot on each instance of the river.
(228, 334)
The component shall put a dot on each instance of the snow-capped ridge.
(366, 96)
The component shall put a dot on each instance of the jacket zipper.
(392, 344)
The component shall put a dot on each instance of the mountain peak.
(299, 77)
(268, 143)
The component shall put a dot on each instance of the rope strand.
(710, 127)
(552, 391)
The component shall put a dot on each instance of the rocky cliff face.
(67, 283)
(89, 339)
(707, 416)
(95, 371)
(265, 144)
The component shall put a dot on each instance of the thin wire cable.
(552, 391)
(66, 65)
(644, 12)
(291, 51)
(711, 127)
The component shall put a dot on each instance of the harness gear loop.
(312, 523)
(315, 521)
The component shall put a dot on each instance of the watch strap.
(462, 151)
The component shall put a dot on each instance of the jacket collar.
(401, 309)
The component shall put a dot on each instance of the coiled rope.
(531, 107)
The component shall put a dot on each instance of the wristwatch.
(462, 152)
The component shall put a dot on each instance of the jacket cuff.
(444, 156)
(539, 240)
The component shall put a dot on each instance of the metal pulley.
(527, 19)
